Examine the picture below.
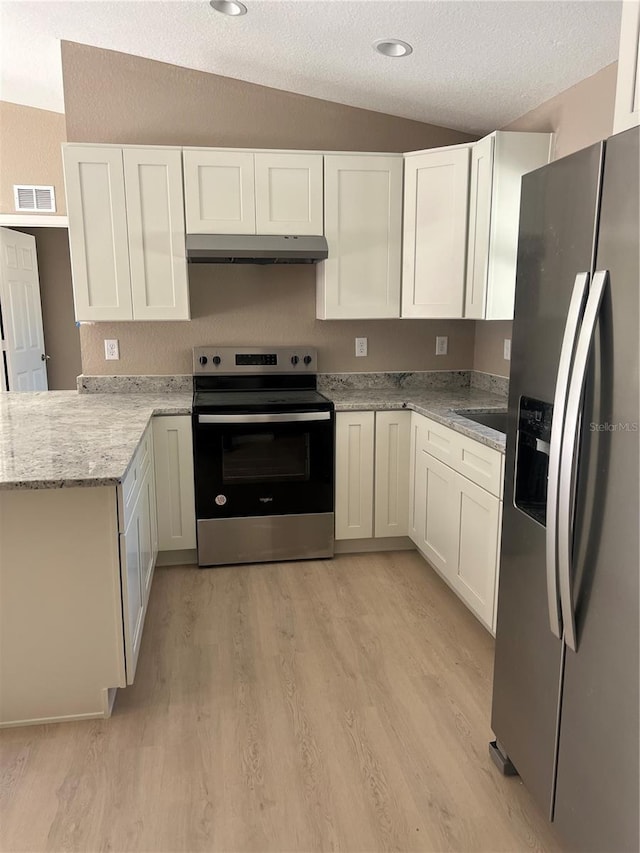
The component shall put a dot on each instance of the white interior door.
(23, 337)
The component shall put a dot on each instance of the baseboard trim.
(184, 557)
(386, 543)
(64, 718)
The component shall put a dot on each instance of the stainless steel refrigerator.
(565, 695)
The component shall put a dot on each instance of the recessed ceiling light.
(393, 47)
(229, 7)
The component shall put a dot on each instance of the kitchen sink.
(495, 420)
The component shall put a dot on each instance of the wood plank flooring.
(325, 705)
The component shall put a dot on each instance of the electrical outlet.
(442, 345)
(361, 347)
(111, 350)
(507, 349)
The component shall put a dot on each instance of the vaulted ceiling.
(476, 64)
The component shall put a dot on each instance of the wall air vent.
(34, 198)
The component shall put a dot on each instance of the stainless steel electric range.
(263, 444)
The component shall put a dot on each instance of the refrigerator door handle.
(570, 447)
(574, 315)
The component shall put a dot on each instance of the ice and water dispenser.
(532, 458)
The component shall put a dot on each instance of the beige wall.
(272, 305)
(30, 141)
(142, 101)
(578, 117)
(61, 338)
(488, 355)
(116, 97)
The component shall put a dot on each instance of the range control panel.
(230, 360)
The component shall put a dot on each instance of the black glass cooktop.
(253, 401)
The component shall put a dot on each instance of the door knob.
(44, 357)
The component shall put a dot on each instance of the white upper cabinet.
(126, 232)
(94, 183)
(627, 110)
(219, 191)
(155, 224)
(436, 194)
(241, 192)
(288, 193)
(479, 226)
(363, 224)
(498, 163)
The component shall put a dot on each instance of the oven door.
(263, 464)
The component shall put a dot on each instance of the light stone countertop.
(61, 439)
(57, 439)
(438, 404)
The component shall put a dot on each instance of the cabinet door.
(363, 217)
(479, 227)
(354, 475)
(131, 571)
(434, 508)
(414, 490)
(94, 184)
(289, 194)
(476, 558)
(155, 224)
(173, 453)
(147, 556)
(436, 195)
(392, 473)
(219, 191)
(627, 109)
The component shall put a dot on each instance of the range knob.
(307, 359)
(294, 359)
(203, 360)
(216, 360)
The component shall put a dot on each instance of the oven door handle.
(280, 418)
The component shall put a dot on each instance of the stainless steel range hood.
(255, 249)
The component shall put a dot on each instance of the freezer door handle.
(569, 461)
(574, 315)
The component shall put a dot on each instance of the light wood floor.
(329, 705)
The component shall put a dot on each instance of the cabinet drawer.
(475, 461)
(480, 464)
(439, 441)
(132, 481)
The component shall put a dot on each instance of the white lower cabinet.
(453, 521)
(138, 551)
(391, 491)
(354, 475)
(173, 452)
(433, 506)
(475, 563)
(372, 474)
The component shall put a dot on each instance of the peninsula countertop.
(62, 439)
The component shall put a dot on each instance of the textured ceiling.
(476, 65)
